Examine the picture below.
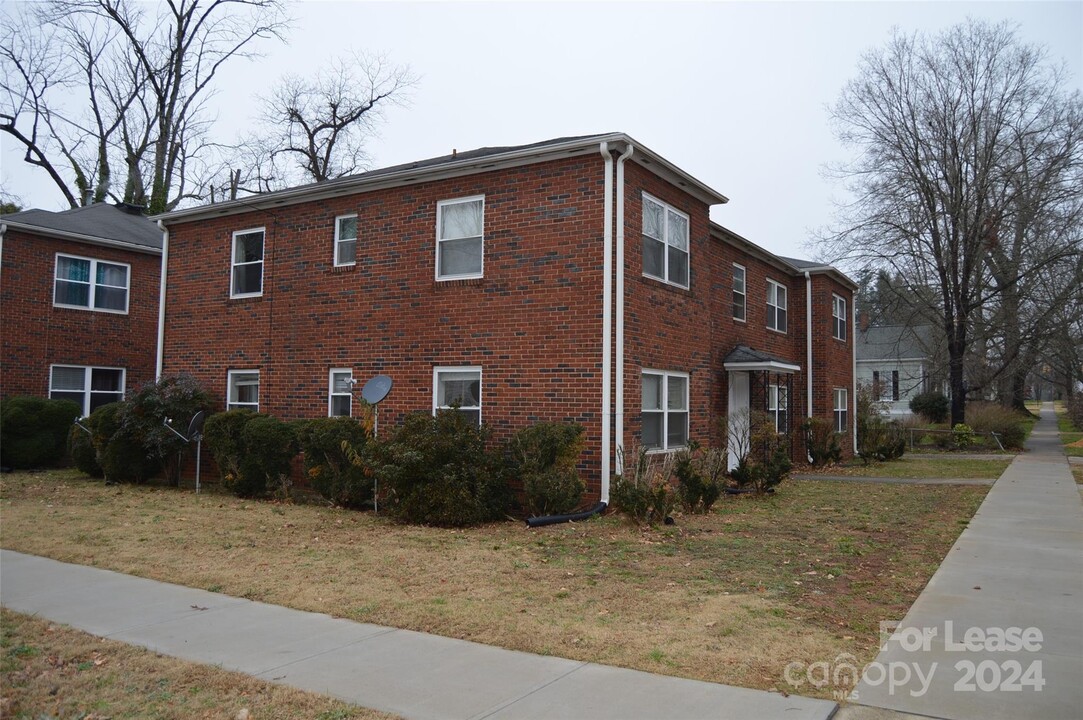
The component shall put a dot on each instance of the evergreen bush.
(34, 431)
(544, 457)
(933, 406)
(328, 464)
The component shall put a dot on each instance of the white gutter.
(607, 316)
(853, 376)
(808, 347)
(3, 231)
(620, 307)
(161, 302)
(79, 237)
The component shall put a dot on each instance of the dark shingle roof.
(745, 354)
(891, 342)
(100, 221)
(802, 264)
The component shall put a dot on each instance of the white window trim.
(744, 294)
(665, 375)
(439, 212)
(87, 371)
(230, 405)
(331, 394)
(780, 392)
(233, 262)
(773, 283)
(339, 239)
(838, 302)
(665, 242)
(93, 285)
(457, 368)
(835, 395)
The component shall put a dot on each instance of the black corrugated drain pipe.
(571, 517)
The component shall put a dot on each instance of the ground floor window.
(841, 403)
(340, 393)
(664, 410)
(90, 387)
(243, 390)
(457, 388)
(778, 407)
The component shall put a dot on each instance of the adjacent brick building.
(78, 303)
(485, 279)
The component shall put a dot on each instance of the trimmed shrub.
(645, 491)
(544, 457)
(821, 441)
(81, 447)
(222, 433)
(933, 406)
(438, 472)
(879, 439)
(328, 465)
(143, 417)
(1009, 424)
(766, 463)
(962, 436)
(34, 431)
(268, 447)
(120, 454)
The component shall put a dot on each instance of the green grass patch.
(944, 468)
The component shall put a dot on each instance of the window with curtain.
(458, 388)
(247, 268)
(460, 243)
(91, 284)
(665, 242)
(90, 387)
(243, 391)
(346, 240)
(776, 306)
(340, 400)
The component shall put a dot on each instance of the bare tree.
(959, 155)
(141, 75)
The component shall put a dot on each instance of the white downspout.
(160, 365)
(808, 348)
(850, 331)
(607, 317)
(620, 307)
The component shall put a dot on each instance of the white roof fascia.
(91, 239)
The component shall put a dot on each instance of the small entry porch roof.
(744, 358)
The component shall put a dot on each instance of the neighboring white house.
(896, 361)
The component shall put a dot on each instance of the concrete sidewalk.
(1018, 564)
(408, 673)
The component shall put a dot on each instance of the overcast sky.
(735, 93)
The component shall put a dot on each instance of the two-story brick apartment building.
(487, 279)
(78, 303)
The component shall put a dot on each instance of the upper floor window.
(665, 410)
(840, 405)
(838, 317)
(91, 284)
(458, 388)
(346, 240)
(776, 306)
(460, 243)
(739, 295)
(665, 242)
(340, 393)
(90, 387)
(247, 267)
(243, 391)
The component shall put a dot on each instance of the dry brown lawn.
(730, 597)
(53, 671)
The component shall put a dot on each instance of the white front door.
(739, 420)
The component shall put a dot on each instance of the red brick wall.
(34, 334)
(833, 360)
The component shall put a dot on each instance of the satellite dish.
(376, 389)
(196, 425)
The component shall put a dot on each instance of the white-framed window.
(90, 387)
(894, 385)
(841, 409)
(664, 410)
(740, 293)
(776, 306)
(243, 390)
(91, 284)
(838, 317)
(457, 388)
(778, 407)
(246, 271)
(665, 242)
(340, 392)
(460, 238)
(345, 240)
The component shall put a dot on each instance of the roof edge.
(727, 235)
(79, 237)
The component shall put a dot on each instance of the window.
(346, 240)
(247, 271)
(840, 410)
(895, 385)
(243, 390)
(90, 387)
(665, 410)
(778, 407)
(458, 388)
(776, 306)
(838, 317)
(460, 238)
(340, 393)
(877, 388)
(91, 284)
(665, 242)
(739, 296)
